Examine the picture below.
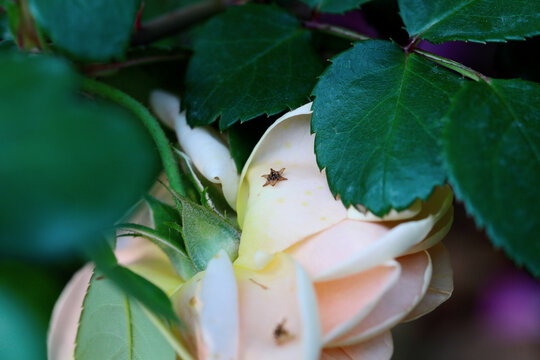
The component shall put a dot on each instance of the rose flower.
(313, 279)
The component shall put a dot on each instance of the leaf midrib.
(443, 17)
(242, 66)
(127, 309)
(515, 119)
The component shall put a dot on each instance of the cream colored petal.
(441, 286)
(378, 348)
(202, 144)
(278, 312)
(275, 217)
(220, 313)
(393, 215)
(396, 303)
(344, 302)
(439, 231)
(65, 317)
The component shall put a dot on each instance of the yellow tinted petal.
(275, 217)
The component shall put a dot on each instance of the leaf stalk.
(167, 157)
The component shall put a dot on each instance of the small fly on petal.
(274, 177)
(281, 334)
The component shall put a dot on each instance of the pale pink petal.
(354, 246)
(327, 249)
(278, 312)
(188, 305)
(441, 285)
(380, 347)
(396, 303)
(275, 217)
(344, 302)
(65, 317)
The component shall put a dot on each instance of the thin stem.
(167, 157)
(99, 69)
(335, 30)
(177, 20)
(454, 65)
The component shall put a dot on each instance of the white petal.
(202, 144)
(219, 314)
(65, 317)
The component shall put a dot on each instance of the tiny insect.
(281, 334)
(274, 177)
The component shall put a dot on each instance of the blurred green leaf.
(155, 8)
(250, 60)
(335, 6)
(131, 283)
(471, 20)
(492, 152)
(5, 34)
(377, 118)
(87, 29)
(21, 334)
(175, 252)
(206, 233)
(70, 167)
(40, 291)
(114, 326)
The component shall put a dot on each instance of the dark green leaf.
(244, 137)
(181, 262)
(21, 334)
(251, 60)
(474, 20)
(492, 152)
(335, 6)
(162, 214)
(377, 118)
(69, 167)
(114, 326)
(130, 283)
(206, 233)
(87, 29)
